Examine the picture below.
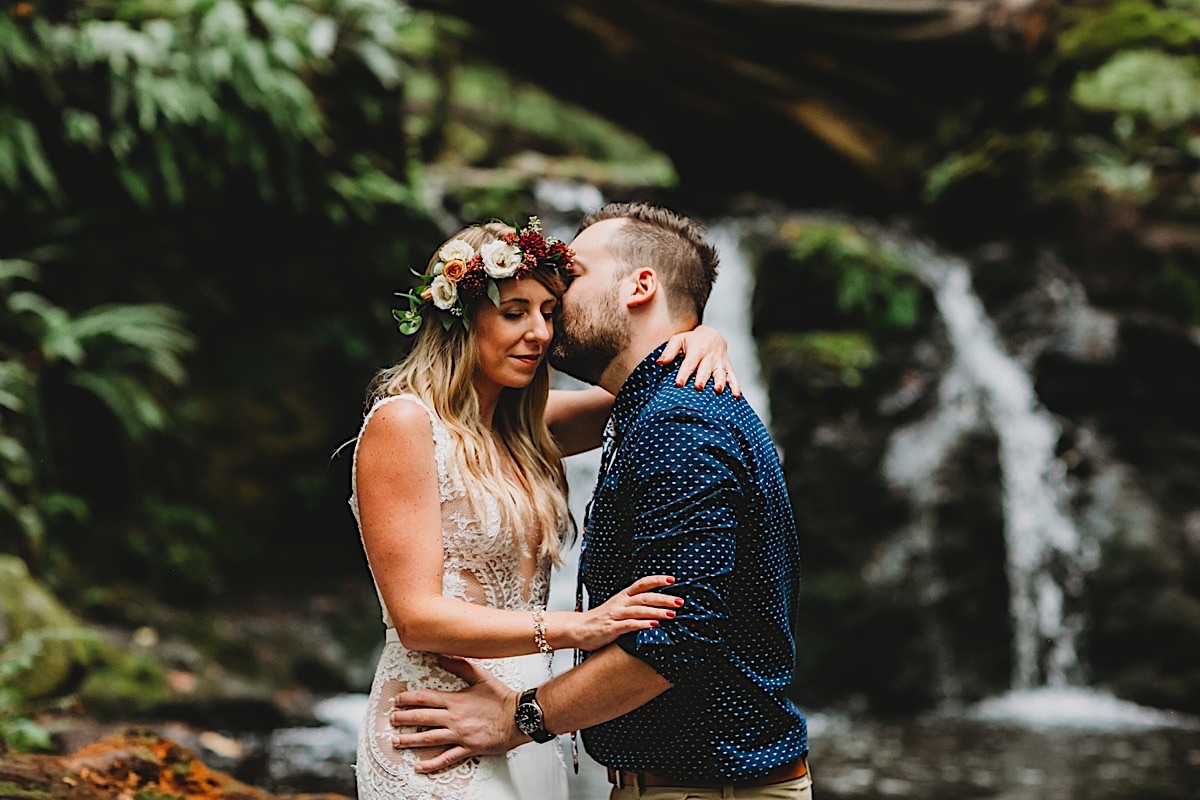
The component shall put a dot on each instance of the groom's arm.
(479, 720)
(608, 684)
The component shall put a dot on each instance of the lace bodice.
(483, 563)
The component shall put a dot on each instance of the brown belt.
(784, 772)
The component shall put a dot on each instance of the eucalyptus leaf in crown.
(463, 275)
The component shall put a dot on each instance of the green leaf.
(493, 292)
(26, 736)
(26, 138)
(84, 128)
(409, 321)
(11, 268)
(13, 452)
(1163, 88)
(136, 185)
(169, 170)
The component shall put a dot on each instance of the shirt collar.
(637, 390)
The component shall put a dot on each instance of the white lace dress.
(482, 566)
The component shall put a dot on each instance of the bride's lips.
(531, 360)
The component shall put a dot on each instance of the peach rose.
(454, 270)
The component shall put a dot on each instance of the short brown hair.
(672, 244)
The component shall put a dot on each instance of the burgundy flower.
(474, 283)
(532, 244)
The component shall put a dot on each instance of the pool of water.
(1070, 744)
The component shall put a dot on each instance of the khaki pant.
(797, 789)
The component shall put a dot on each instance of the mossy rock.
(60, 658)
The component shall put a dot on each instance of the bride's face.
(512, 338)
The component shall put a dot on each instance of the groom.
(690, 485)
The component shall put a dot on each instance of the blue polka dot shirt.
(690, 485)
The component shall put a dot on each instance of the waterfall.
(986, 386)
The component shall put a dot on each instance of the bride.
(460, 498)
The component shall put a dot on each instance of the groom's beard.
(589, 338)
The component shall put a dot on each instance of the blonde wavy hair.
(440, 369)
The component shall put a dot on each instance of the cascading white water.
(1046, 556)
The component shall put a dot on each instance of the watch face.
(528, 717)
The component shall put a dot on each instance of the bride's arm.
(397, 487)
(576, 417)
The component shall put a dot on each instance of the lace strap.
(447, 487)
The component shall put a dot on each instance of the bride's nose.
(540, 330)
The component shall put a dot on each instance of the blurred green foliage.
(155, 89)
(871, 280)
(868, 294)
(1109, 125)
(241, 166)
(117, 361)
(1113, 110)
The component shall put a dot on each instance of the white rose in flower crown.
(456, 250)
(445, 293)
(500, 259)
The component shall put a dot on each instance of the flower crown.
(462, 275)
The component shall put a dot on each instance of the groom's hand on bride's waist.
(475, 721)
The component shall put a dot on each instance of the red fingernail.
(678, 601)
(653, 623)
(670, 615)
(670, 580)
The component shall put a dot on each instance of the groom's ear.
(643, 287)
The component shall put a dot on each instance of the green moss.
(125, 683)
(827, 359)
(1093, 32)
(8, 789)
(872, 283)
(46, 645)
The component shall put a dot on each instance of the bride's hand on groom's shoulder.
(705, 355)
(632, 609)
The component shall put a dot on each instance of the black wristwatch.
(529, 717)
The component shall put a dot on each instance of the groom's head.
(640, 272)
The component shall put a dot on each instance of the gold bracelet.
(539, 631)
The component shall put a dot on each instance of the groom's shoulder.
(688, 402)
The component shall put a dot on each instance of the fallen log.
(132, 765)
